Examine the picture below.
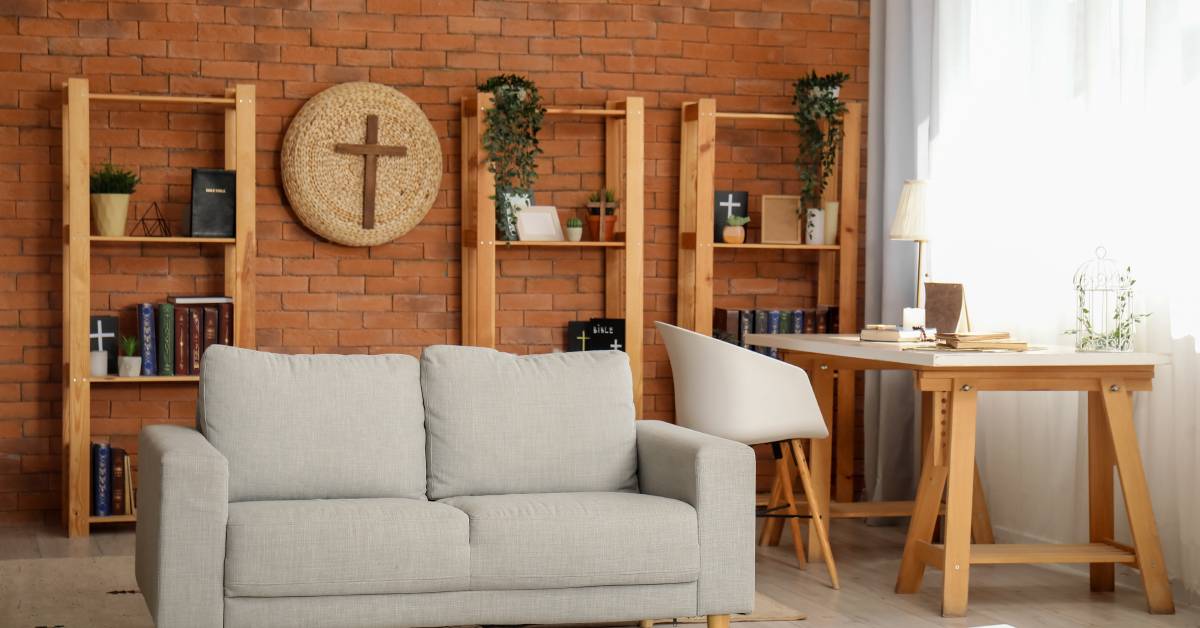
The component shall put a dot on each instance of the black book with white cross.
(597, 334)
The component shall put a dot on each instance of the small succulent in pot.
(735, 229)
(611, 205)
(574, 229)
(130, 363)
(110, 188)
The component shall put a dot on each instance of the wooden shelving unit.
(837, 264)
(624, 122)
(239, 251)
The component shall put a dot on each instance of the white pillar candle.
(913, 318)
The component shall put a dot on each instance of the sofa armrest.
(715, 476)
(183, 507)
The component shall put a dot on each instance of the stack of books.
(980, 341)
(893, 333)
(733, 325)
(112, 482)
(175, 334)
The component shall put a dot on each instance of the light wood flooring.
(1019, 595)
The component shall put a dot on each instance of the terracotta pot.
(129, 366)
(109, 212)
(733, 235)
(610, 224)
(574, 234)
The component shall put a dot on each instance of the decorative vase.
(574, 234)
(129, 366)
(610, 225)
(733, 235)
(831, 222)
(98, 361)
(109, 212)
(814, 226)
(509, 201)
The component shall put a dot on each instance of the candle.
(913, 318)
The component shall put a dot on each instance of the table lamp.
(909, 223)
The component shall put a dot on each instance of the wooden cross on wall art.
(371, 150)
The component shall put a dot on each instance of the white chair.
(728, 391)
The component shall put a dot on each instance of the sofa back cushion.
(314, 426)
(499, 423)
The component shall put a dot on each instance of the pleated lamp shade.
(909, 223)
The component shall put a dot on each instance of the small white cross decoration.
(729, 204)
(100, 335)
(616, 345)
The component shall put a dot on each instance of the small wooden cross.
(371, 149)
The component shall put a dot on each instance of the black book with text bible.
(214, 204)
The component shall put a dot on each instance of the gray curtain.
(899, 114)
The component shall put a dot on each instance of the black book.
(727, 324)
(214, 204)
(607, 334)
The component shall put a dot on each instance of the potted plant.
(130, 363)
(735, 229)
(110, 188)
(605, 200)
(820, 114)
(574, 229)
(510, 139)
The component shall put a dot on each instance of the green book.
(166, 339)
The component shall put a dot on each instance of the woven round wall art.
(361, 164)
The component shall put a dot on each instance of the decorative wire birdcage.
(1104, 318)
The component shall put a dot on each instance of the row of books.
(175, 334)
(112, 482)
(733, 325)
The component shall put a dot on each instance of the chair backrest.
(739, 394)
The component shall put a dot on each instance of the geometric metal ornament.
(152, 223)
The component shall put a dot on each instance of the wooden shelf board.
(175, 100)
(160, 240)
(782, 246)
(144, 379)
(113, 519)
(616, 244)
(747, 115)
(567, 111)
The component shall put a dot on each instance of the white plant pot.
(814, 226)
(574, 234)
(109, 212)
(831, 222)
(128, 366)
(98, 361)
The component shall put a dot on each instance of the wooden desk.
(949, 383)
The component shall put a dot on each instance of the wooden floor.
(1019, 595)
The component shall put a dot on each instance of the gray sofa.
(470, 487)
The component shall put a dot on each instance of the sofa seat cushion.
(345, 547)
(565, 540)
(499, 423)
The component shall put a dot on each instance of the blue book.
(102, 479)
(797, 321)
(146, 331)
(774, 318)
(747, 326)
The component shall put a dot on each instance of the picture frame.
(539, 223)
(782, 222)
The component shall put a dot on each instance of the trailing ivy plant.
(816, 101)
(510, 139)
(109, 179)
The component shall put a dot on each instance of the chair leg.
(784, 467)
(776, 500)
(718, 621)
(821, 525)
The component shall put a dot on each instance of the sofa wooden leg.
(718, 621)
(646, 623)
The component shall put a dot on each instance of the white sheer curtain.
(1060, 126)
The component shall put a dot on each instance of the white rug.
(100, 592)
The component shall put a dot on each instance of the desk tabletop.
(897, 353)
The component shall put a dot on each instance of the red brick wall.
(316, 296)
